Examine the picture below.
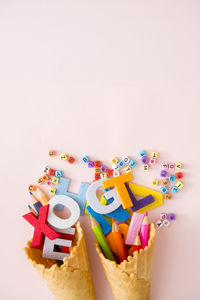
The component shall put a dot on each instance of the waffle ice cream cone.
(130, 280)
(70, 281)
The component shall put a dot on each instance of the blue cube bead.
(142, 153)
(164, 190)
(172, 178)
(132, 163)
(121, 163)
(85, 159)
(58, 173)
(174, 189)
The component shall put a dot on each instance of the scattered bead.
(52, 191)
(145, 167)
(163, 173)
(171, 166)
(165, 182)
(159, 223)
(45, 169)
(71, 159)
(97, 176)
(116, 173)
(51, 172)
(55, 180)
(166, 223)
(97, 170)
(114, 160)
(115, 167)
(127, 169)
(52, 153)
(40, 181)
(103, 169)
(109, 172)
(58, 173)
(179, 175)
(164, 190)
(132, 163)
(144, 160)
(121, 164)
(97, 163)
(174, 189)
(171, 217)
(154, 154)
(178, 166)
(126, 159)
(90, 164)
(164, 165)
(163, 216)
(103, 175)
(45, 177)
(63, 156)
(142, 153)
(152, 161)
(48, 182)
(179, 185)
(171, 178)
(154, 182)
(167, 196)
(85, 159)
(31, 188)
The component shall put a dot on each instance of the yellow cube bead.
(179, 185)
(127, 169)
(178, 166)
(145, 167)
(52, 191)
(154, 154)
(103, 175)
(55, 180)
(154, 182)
(165, 182)
(52, 153)
(63, 156)
(114, 160)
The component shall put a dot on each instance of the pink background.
(100, 78)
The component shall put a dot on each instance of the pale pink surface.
(101, 78)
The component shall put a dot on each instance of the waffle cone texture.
(130, 280)
(70, 281)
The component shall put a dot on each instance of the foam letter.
(94, 202)
(119, 184)
(80, 198)
(41, 228)
(57, 222)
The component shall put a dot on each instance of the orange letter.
(119, 184)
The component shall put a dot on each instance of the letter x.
(41, 227)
